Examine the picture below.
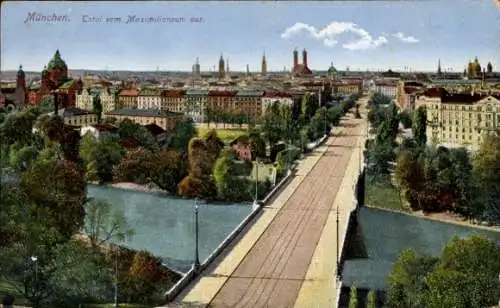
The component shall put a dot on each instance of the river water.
(165, 225)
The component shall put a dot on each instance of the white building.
(149, 99)
(108, 100)
(385, 87)
(85, 100)
(280, 98)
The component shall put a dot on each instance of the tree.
(100, 156)
(466, 275)
(486, 176)
(419, 126)
(56, 189)
(405, 119)
(102, 224)
(169, 167)
(182, 133)
(372, 299)
(230, 181)
(257, 144)
(135, 167)
(130, 130)
(353, 297)
(97, 107)
(308, 107)
(406, 283)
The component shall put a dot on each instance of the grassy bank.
(225, 135)
(383, 195)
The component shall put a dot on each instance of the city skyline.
(403, 34)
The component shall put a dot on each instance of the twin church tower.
(298, 69)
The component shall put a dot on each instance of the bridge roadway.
(277, 262)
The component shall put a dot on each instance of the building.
(15, 96)
(85, 99)
(163, 118)
(173, 100)
(249, 102)
(77, 117)
(195, 104)
(221, 101)
(196, 71)
(149, 98)
(242, 147)
(280, 98)
(99, 131)
(460, 120)
(127, 99)
(385, 87)
(108, 99)
(263, 68)
(55, 77)
(406, 94)
(300, 69)
(222, 71)
(347, 87)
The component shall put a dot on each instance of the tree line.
(430, 177)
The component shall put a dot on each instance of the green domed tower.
(58, 70)
(332, 71)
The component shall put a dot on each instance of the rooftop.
(72, 111)
(129, 92)
(144, 113)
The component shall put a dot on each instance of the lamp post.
(196, 265)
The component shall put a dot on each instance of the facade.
(249, 102)
(164, 119)
(127, 99)
(108, 100)
(221, 101)
(150, 99)
(300, 69)
(406, 94)
(385, 87)
(173, 100)
(77, 117)
(348, 87)
(84, 100)
(279, 98)
(14, 97)
(55, 77)
(196, 104)
(462, 120)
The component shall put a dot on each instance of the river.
(165, 225)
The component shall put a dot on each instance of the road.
(272, 272)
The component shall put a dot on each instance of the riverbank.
(149, 188)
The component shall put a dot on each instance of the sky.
(373, 35)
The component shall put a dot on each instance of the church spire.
(439, 67)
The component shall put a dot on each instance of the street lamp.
(196, 265)
(256, 181)
(34, 259)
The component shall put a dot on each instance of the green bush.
(285, 158)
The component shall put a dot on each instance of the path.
(268, 265)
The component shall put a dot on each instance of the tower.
(439, 67)
(222, 72)
(227, 66)
(248, 70)
(21, 79)
(304, 57)
(295, 58)
(489, 69)
(264, 65)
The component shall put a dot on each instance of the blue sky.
(356, 34)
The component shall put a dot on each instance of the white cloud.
(405, 39)
(330, 33)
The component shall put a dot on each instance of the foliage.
(103, 225)
(56, 189)
(419, 126)
(135, 167)
(372, 299)
(405, 119)
(308, 107)
(486, 175)
(231, 182)
(169, 167)
(285, 158)
(378, 99)
(97, 106)
(100, 156)
(182, 133)
(353, 297)
(130, 130)
(257, 144)
(466, 275)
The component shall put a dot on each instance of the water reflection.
(164, 225)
